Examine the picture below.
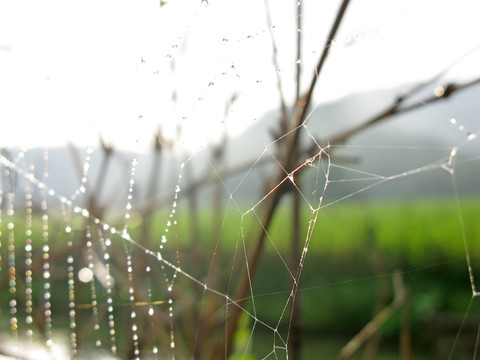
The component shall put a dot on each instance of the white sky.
(71, 70)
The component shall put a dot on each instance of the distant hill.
(401, 144)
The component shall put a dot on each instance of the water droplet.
(439, 91)
(85, 275)
(310, 162)
(453, 152)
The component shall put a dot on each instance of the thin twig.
(374, 325)
(283, 106)
(295, 331)
(244, 286)
(395, 109)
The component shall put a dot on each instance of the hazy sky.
(72, 70)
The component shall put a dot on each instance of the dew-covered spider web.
(240, 180)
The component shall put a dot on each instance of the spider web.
(220, 243)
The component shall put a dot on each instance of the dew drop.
(439, 91)
(85, 275)
(453, 152)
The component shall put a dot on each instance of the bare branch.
(373, 326)
(287, 158)
(283, 106)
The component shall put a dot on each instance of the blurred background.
(223, 180)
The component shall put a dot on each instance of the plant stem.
(287, 159)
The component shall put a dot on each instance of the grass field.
(346, 277)
(353, 252)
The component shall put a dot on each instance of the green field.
(347, 274)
